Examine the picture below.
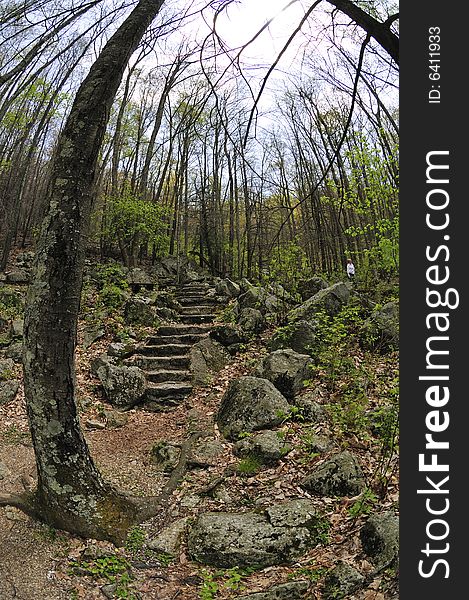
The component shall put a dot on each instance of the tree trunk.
(70, 492)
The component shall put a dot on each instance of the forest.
(198, 398)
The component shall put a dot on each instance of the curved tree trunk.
(70, 492)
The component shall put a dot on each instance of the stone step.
(200, 300)
(183, 338)
(167, 393)
(183, 329)
(196, 309)
(194, 319)
(195, 294)
(165, 349)
(155, 363)
(167, 375)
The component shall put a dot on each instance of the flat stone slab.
(279, 535)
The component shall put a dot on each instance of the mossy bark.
(71, 493)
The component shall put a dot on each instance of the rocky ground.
(352, 554)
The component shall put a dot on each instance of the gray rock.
(308, 287)
(381, 331)
(267, 447)
(140, 311)
(293, 590)
(115, 418)
(300, 335)
(121, 349)
(165, 455)
(380, 539)
(91, 334)
(206, 358)
(169, 540)
(259, 298)
(250, 404)
(8, 390)
(15, 352)
(287, 370)
(206, 452)
(16, 328)
(251, 320)
(331, 300)
(227, 288)
(103, 360)
(280, 535)
(340, 475)
(245, 285)
(310, 410)
(228, 334)
(124, 386)
(342, 582)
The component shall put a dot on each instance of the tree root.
(123, 510)
(156, 504)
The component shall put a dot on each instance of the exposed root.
(157, 504)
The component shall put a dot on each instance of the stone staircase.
(165, 356)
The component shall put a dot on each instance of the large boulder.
(340, 475)
(266, 447)
(140, 311)
(311, 286)
(380, 539)
(8, 390)
(259, 298)
(381, 331)
(251, 320)
(331, 300)
(300, 335)
(342, 581)
(206, 358)
(279, 535)
(228, 288)
(287, 370)
(124, 386)
(250, 404)
(229, 335)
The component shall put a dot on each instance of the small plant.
(311, 573)
(209, 587)
(249, 465)
(135, 540)
(348, 414)
(165, 559)
(321, 530)
(364, 504)
(111, 568)
(214, 582)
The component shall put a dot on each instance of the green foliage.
(348, 413)
(135, 540)
(133, 222)
(214, 582)
(11, 304)
(364, 504)
(227, 315)
(111, 568)
(288, 265)
(321, 530)
(311, 573)
(249, 465)
(112, 285)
